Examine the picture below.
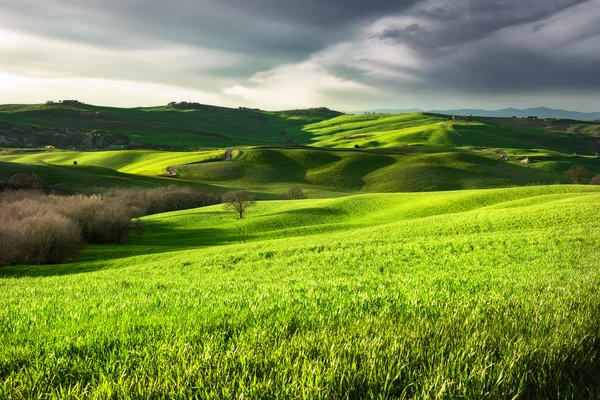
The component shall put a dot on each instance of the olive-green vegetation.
(465, 294)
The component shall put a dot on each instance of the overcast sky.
(277, 54)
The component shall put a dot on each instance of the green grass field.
(465, 294)
(399, 277)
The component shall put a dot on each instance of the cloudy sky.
(276, 54)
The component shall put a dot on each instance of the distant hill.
(78, 126)
(541, 112)
(74, 125)
(324, 152)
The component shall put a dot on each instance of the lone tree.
(577, 173)
(292, 194)
(238, 201)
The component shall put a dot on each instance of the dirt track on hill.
(172, 172)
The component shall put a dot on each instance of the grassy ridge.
(321, 172)
(353, 171)
(139, 162)
(431, 130)
(477, 294)
(107, 169)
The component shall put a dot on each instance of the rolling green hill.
(477, 294)
(139, 162)
(269, 171)
(435, 131)
(361, 171)
(396, 153)
(202, 126)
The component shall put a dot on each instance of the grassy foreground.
(471, 294)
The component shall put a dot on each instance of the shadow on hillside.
(82, 178)
(38, 271)
(104, 257)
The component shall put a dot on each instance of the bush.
(595, 180)
(30, 233)
(159, 200)
(37, 228)
(25, 181)
(293, 194)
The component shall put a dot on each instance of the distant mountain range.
(540, 112)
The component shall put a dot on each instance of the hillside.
(194, 126)
(191, 125)
(369, 296)
(338, 154)
(363, 171)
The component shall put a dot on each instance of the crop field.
(466, 294)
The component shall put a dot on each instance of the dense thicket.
(40, 228)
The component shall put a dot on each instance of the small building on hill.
(533, 118)
(461, 118)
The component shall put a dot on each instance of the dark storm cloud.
(331, 13)
(281, 31)
(515, 70)
(451, 23)
(503, 46)
(467, 46)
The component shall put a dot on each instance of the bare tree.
(577, 173)
(238, 201)
(595, 180)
